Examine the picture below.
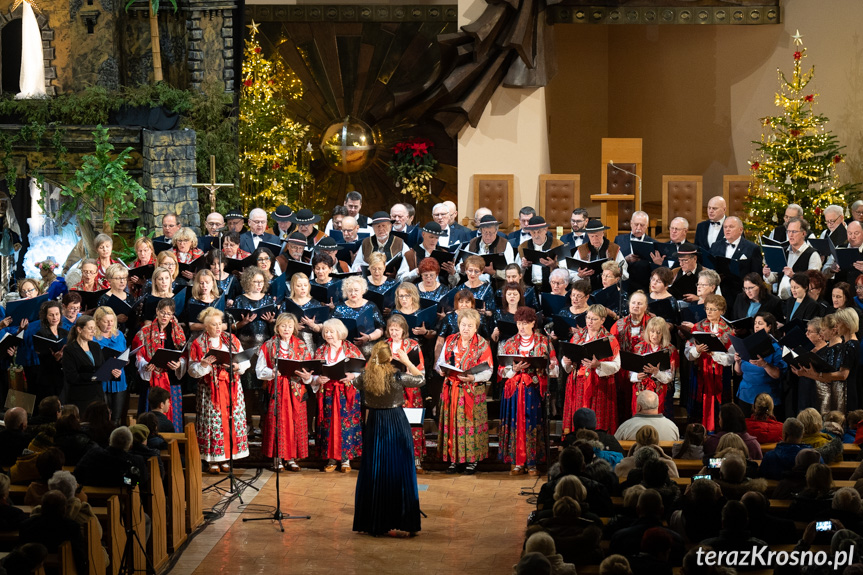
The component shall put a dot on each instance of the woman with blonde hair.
(836, 389)
(286, 407)
(387, 497)
(377, 280)
(186, 249)
(762, 425)
(104, 248)
(397, 330)
(307, 329)
(205, 292)
(339, 428)
(109, 337)
(656, 337)
(463, 412)
(144, 256)
(215, 425)
(117, 276)
(168, 260)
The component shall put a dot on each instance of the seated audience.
(47, 463)
(762, 424)
(70, 437)
(97, 422)
(154, 440)
(542, 542)
(26, 559)
(571, 462)
(615, 565)
(78, 511)
(647, 413)
(577, 538)
(794, 480)
(735, 534)
(816, 500)
(692, 446)
(733, 480)
(51, 528)
(627, 515)
(655, 552)
(140, 433)
(47, 412)
(650, 512)
(159, 401)
(585, 418)
(830, 448)
(731, 420)
(852, 423)
(103, 467)
(532, 564)
(700, 510)
(765, 526)
(847, 508)
(10, 516)
(14, 437)
(781, 458)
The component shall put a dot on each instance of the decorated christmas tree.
(274, 152)
(797, 158)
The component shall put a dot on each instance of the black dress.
(81, 387)
(51, 370)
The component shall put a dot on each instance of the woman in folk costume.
(709, 373)
(291, 425)
(397, 330)
(218, 392)
(340, 436)
(591, 384)
(657, 337)
(628, 331)
(463, 412)
(522, 440)
(164, 332)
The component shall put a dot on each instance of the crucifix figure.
(212, 186)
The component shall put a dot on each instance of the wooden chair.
(735, 190)
(495, 192)
(559, 194)
(682, 197)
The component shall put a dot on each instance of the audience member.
(735, 534)
(10, 516)
(650, 511)
(762, 424)
(47, 412)
(615, 565)
(733, 480)
(770, 528)
(585, 418)
(13, 437)
(731, 420)
(70, 437)
(47, 463)
(627, 515)
(781, 458)
(692, 446)
(154, 440)
(51, 528)
(794, 480)
(700, 511)
(97, 422)
(647, 413)
(532, 564)
(830, 448)
(107, 467)
(655, 552)
(159, 401)
(542, 542)
(571, 462)
(816, 500)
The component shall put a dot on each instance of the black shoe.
(452, 469)
(470, 468)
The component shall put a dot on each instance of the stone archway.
(47, 45)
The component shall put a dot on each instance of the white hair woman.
(356, 307)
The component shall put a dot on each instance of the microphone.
(616, 167)
(222, 229)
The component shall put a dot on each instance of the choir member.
(536, 273)
(117, 276)
(611, 276)
(710, 230)
(414, 257)
(591, 383)
(376, 280)
(50, 380)
(430, 286)
(597, 248)
(656, 337)
(355, 304)
(463, 440)
(489, 242)
(761, 374)
(90, 279)
(799, 305)
(628, 331)
(231, 246)
(108, 336)
(186, 249)
(168, 260)
(339, 437)
(511, 299)
(286, 409)
(104, 248)
(514, 274)
(397, 330)
(144, 257)
(204, 292)
(300, 295)
(82, 357)
(522, 434)
(227, 283)
(219, 390)
(709, 375)
(800, 255)
(71, 310)
(481, 290)
(756, 298)
(164, 332)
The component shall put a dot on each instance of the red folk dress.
(293, 427)
(708, 373)
(340, 435)
(216, 395)
(627, 333)
(151, 339)
(586, 388)
(651, 383)
(414, 395)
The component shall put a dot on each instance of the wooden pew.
(154, 504)
(850, 450)
(175, 496)
(840, 469)
(116, 514)
(192, 476)
(40, 570)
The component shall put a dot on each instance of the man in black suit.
(215, 223)
(353, 203)
(834, 218)
(733, 246)
(284, 226)
(450, 235)
(639, 270)
(855, 240)
(453, 219)
(234, 221)
(518, 237)
(170, 226)
(257, 233)
(778, 233)
(577, 221)
(400, 217)
(677, 231)
(710, 230)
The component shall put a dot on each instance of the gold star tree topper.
(798, 39)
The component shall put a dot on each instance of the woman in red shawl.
(706, 387)
(592, 384)
(217, 393)
(293, 428)
(165, 332)
(522, 441)
(463, 439)
(397, 328)
(657, 337)
(340, 435)
(186, 248)
(90, 278)
(628, 331)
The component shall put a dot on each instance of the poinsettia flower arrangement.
(413, 166)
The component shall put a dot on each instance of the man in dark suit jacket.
(639, 269)
(735, 247)
(170, 226)
(258, 231)
(450, 235)
(834, 217)
(518, 237)
(710, 230)
(577, 221)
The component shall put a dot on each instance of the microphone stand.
(235, 485)
(616, 167)
(277, 514)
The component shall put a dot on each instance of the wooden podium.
(609, 213)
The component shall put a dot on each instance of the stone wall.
(211, 47)
(168, 175)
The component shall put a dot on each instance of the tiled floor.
(475, 525)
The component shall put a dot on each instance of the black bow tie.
(444, 234)
(257, 236)
(715, 223)
(732, 246)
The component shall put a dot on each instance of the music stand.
(277, 514)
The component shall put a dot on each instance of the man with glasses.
(449, 235)
(284, 225)
(799, 254)
(215, 222)
(832, 269)
(489, 242)
(685, 282)
(170, 226)
(778, 233)
(707, 232)
(453, 218)
(834, 217)
(257, 233)
(518, 237)
(577, 221)
(598, 247)
(234, 221)
(382, 240)
(677, 231)
(305, 221)
(639, 270)
(353, 203)
(735, 247)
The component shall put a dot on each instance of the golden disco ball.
(348, 146)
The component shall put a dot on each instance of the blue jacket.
(781, 459)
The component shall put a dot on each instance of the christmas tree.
(274, 153)
(796, 159)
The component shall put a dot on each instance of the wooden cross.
(212, 186)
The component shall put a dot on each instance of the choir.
(524, 329)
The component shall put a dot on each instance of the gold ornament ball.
(348, 145)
